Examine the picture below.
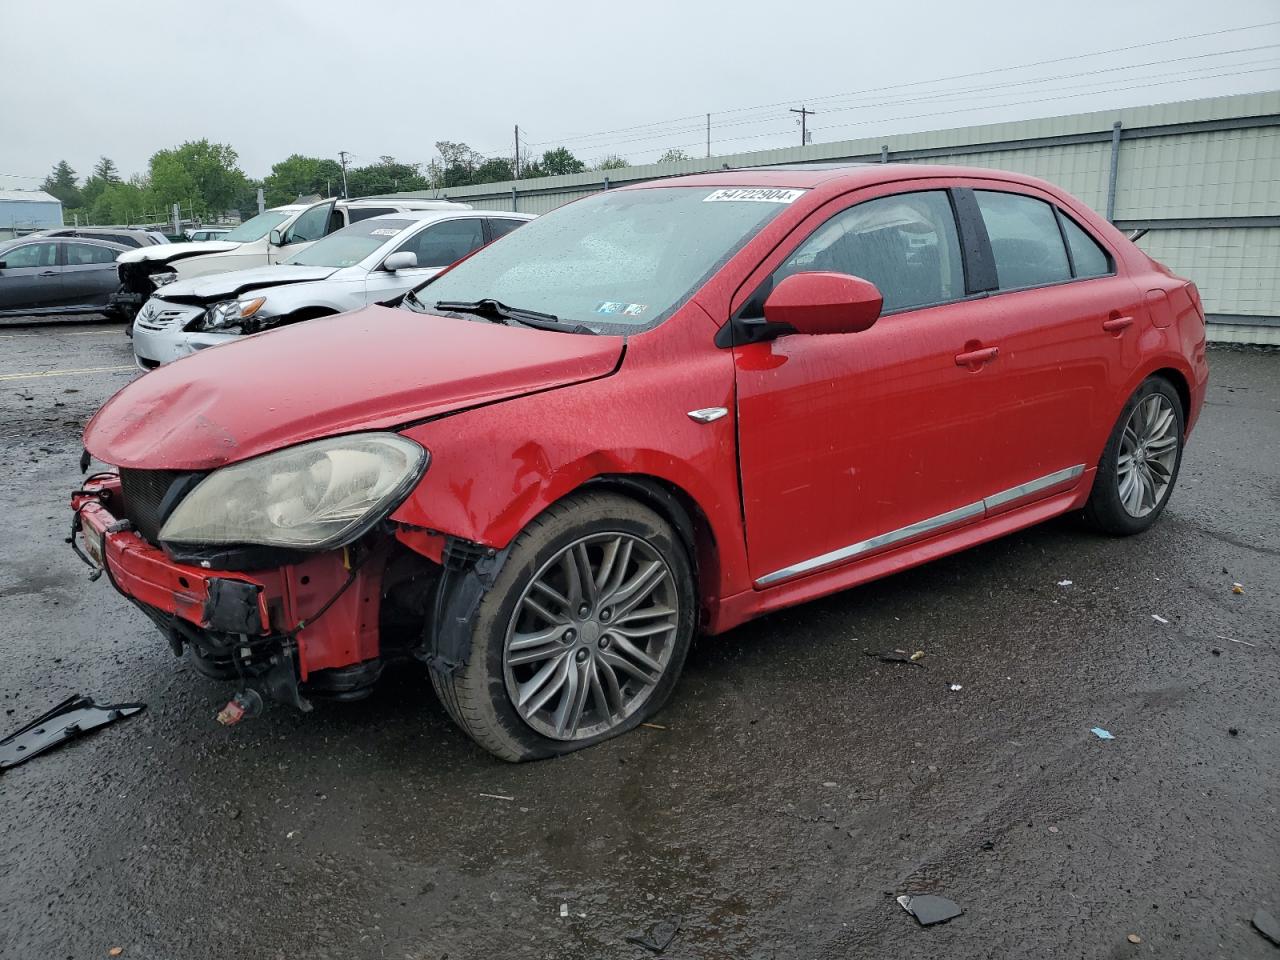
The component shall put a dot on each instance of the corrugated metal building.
(22, 211)
(1201, 176)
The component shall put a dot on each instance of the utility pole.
(805, 114)
(708, 136)
(342, 154)
(517, 163)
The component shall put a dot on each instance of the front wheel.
(583, 635)
(1139, 465)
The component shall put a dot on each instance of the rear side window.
(1089, 259)
(1025, 241)
(905, 244)
(356, 214)
(500, 228)
(79, 254)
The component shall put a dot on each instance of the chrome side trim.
(708, 414)
(1032, 486)
(875, 543)
(967, 512)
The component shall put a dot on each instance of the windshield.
(258, 227)
(350, 245)
(618, 261)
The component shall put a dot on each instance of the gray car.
(43, 276)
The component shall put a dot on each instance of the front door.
(854, 444)
(30, 278)
(312, 224)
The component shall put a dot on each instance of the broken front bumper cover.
(304, 626)
(71, 718)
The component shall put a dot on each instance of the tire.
(1158, 447)
(481, 697)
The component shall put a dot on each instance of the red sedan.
(660, 409)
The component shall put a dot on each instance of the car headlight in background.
(227, 314)
(160, 279)
(315, 496)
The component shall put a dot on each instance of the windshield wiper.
(412, 297)
(500, 312)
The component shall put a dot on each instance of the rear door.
(88, 273)
(31, 277)
(1063, 322)
(854, 444)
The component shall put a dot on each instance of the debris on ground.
(1102, 734)
(1237, 588)
(1245, 643)
(929, 909)
(72, 717)
(1233, 731)
(896, 656)
(956, 688)
(1065, 583)
(653, 726)
(1266, 925)
(496, 796)
(1158, 619)
(658, 937)
(115, 951)
(564, 910)
(1133, 938)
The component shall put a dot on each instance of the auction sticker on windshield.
(755, 195)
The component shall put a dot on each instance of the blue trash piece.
(1102, 734)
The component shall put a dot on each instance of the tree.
(121, 203)
(299, 176)
(105, 170)
(612, 162)
(388, 175)
(558, 162)
(457, 166)
(493, 170)
(61, 183)
(209, 176)
(672, 155)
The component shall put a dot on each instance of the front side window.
(1025, 241)
(906, 244)
(350, 245)
(1088, 258)
(445, 243)
(257, 227)
(617, 261)
(79, 254)
(31, 255)
(500, 228)
(312, 225)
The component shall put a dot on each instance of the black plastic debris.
(71, 718)
(896, 656)
(929, 909)
(658, 937)
(1267, 926)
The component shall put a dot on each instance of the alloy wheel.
(591, 636)
(1148, 455)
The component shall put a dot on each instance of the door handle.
(1116, 324)
(974, 357)
(48, 273)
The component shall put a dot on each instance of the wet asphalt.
(793, 788)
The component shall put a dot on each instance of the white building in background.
(22, 211)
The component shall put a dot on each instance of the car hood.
(176, 251)
(372, 369)
(221, 286)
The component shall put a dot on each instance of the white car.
(270, 237)
(367, 262)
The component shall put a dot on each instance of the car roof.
(45, 238)
(840, 175)
(408, 203)
(417, 216)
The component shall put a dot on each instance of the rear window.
(1025, 240)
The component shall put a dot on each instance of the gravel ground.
(794, 788)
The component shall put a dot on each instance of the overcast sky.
(275, 77)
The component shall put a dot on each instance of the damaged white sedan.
(368, 262)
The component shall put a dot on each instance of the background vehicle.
(126, 236)
(207, 233)
(52, 275)
(678, 404)
(270, 237)
(368, 261)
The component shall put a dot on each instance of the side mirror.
(404, 260)
(816, 303)
(275, 238)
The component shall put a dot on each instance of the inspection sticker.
(616, 306)
(755, 194)
(384, 232)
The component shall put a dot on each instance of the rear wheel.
(1139, 466)
(583, 635)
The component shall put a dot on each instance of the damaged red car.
(662, 409)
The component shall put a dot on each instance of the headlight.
(315, 496)
(227, 314)
(160, 279)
